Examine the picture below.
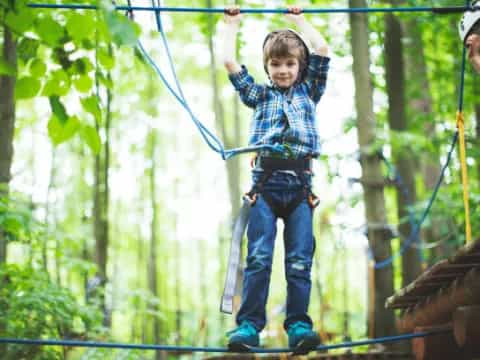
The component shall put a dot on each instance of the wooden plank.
(436, 347)
(466, 324)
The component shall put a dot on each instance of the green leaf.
(20, 21)
(57, 84)
(92, 106)
(58, 109)
(90, 136)
(105, 81)
(80, 26)
(26, 87)
(83, 83)
(82, 66)
(62, 57)
(60, 132)
(105, 59)
(27, 49)
(6, 68)
(38, 68)
(49, 30)
(122, 30)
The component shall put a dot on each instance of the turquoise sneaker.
(302, 338)
(243, 338)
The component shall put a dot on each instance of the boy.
(284, 112)
(469, 29)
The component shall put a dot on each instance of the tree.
(421, 104)
(7, 122)
(378, 237)
(153, 247)
(401, 152)
(101, 201)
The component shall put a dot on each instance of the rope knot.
(460, 120)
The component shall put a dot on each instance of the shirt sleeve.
(316, 78)
(250, 92)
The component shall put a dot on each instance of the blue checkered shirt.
(285, 116)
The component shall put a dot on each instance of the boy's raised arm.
(311, 34)
(232, 21)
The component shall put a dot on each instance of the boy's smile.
(283, 71)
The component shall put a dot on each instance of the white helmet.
(469, 19)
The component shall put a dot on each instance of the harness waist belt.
(269, 163)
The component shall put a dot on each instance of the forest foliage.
(86, 101)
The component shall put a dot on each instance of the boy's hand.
(295, 14)
(232, 15)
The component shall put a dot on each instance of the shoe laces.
(245, 327)
(299, 325)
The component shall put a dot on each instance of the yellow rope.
(463, 162)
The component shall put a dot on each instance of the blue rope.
(438, 10)
(212, 141)
(158, 20)
(171, 348)
(415, 231)
(209, 138)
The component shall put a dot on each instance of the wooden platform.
(446, 296)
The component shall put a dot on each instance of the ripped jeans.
(299, 243)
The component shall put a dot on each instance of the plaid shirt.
(285, 116)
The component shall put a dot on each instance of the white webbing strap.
(226, 305)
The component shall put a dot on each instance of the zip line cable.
(436, 10)
(94, 344)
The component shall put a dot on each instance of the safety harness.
(268, 165)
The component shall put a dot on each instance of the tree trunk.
(422, 106)
(152, 261)
(7, 124)
(178, 276)
(402, 155)
(379, 240)
(233, 164)
(100, 211)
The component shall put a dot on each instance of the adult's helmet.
(469, 19)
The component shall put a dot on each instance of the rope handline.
(435, 10)
(213, 142)
(205, 132)
(158, 20)
(172, 348)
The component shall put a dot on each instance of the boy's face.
(283, 71)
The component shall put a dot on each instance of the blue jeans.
(282, 188)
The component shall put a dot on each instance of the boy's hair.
(283, 43)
